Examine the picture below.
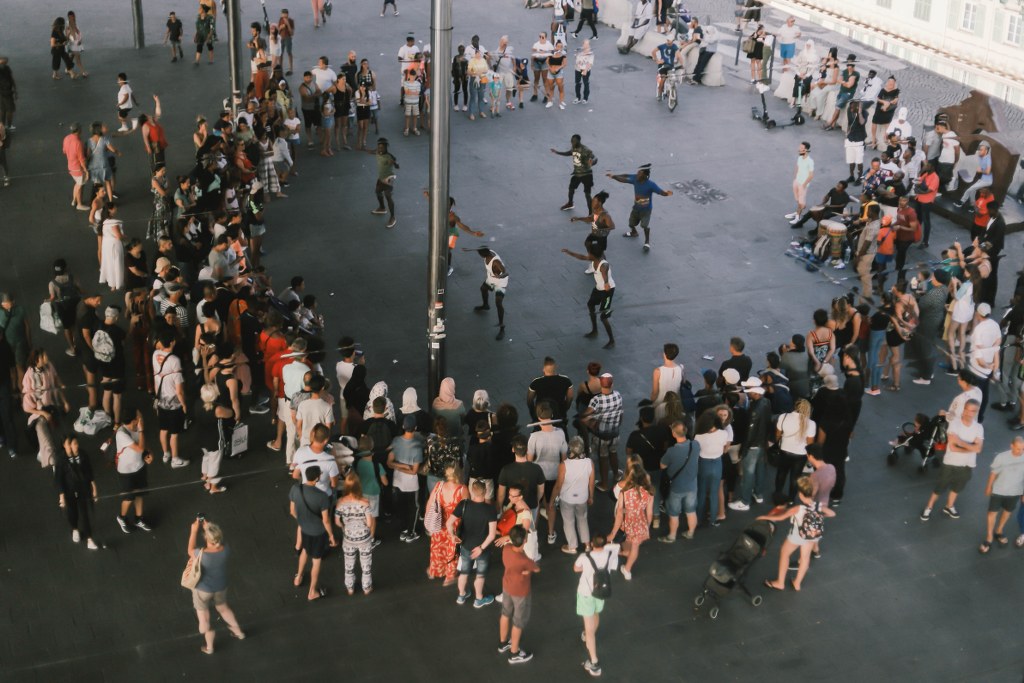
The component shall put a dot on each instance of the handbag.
(193, 571)
(747, 46)
(239, 440)
(506, 521)
(49, 321)
(432, 516)
(328, 7)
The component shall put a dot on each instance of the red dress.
(443, 560)
(634, 514)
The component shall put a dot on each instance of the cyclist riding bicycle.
(665, 56)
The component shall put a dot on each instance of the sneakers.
(167, 458)
(688, 535)
(392, 223)
(666, 539)
(461, 600)
(547, 106)
(583, 102)
(75, 536)
(451, 269)
(873, 392)
(922, 381)
(375, 543)
(926, 514)
(91, 544)
(552, 538)
(795, 220)
(411, 537)
(647, 246)
(504, 647)
(568, 551)
(758, 499)
(520, 657)
(178, 463)
(739, 506)
(626, 574)
(121, 522)
(561, 105)
(568, 206)
(576, 100)
(483, 602)
(402, 536)
(951, 512)
(141, 524)
(259, 409)
(589, 270)
(592, 668)
(379, 212)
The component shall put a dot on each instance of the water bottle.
(846, 254)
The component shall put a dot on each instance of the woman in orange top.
(927, 180)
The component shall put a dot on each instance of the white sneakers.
(739, 505)
(89, 422)
(177, 463)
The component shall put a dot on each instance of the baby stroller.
(925, 435)
(731, 567)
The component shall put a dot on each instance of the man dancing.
(583, 161)
(643, 191)
(495, 280)
(604, 289)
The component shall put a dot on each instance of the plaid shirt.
(607, 414)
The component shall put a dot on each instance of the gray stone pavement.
(892, 599)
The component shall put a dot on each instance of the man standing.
(16, 330)
(803, 177)
(856, 134)
(644, 190)
(643, 17)
(131, 458)
(965, 437)
(311, 508)
(480, 460)
(286, 31)
(74, 150)
(515, 598)
(1004, 490)
(737, 360)
(583, 161)
(495, 280)
(787, 35)
(125, 101)
(206, 30)
(317, 453)
(387, 164)
(864, 254)
(907, 228)
(523, 474)
(680, 469)
(408, 57)
(602, 294)
(983, 361)
(8, 94)
(405, 455)
(479, 529)
(309, 98)
(552, 388)
(173, 36)
(603, 416)
(505, 66)
(170, 397)
(323, 74)
(931, 308)
(754, 447)
(949, 154)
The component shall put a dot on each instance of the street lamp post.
(138, 33)
(440, 115)
(234, 18)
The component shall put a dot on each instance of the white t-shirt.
(547, 449)
(167, 378)
(343, 370)
(305, 456)
(293, 125)
(324, 78)
(804, 168)
(788, 34)
(950, 143)
(292, 375)
(971, 434)
(409, 54)
(124, 97)
(311, 412)
(505, 63)
(792, 440)
(473, 51)
(985, 340)
(542, 50)
(712, 444)
(956, 408)
(606, 557)
(129, 460)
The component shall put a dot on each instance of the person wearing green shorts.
(604, 555)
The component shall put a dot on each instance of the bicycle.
(672, 81)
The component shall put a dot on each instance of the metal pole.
(234, 19)
(440, 115)
(139, 33)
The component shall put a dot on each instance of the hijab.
(379, 390)
(808, 57)
(446, 396)
(410, 402)
(356, 393)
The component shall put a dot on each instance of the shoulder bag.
(432, 516)
(193, 571)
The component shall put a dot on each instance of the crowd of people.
(206, 336)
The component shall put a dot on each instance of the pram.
(929, 441)
(731, 567)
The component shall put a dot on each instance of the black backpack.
(602, 589)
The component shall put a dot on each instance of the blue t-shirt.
(985, 167)
(642, 192)
(667, 52)
(673, 460)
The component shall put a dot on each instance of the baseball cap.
(984, 310)
(162, 262)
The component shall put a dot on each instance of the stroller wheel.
(698, 601)
(756, 600)
(713, 613)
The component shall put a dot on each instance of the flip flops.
(769, 584)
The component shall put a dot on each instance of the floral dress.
(160, 221)
(443, 558)
(441, 454)
(634, 514)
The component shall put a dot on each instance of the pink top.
(74, 150)
(39, 389)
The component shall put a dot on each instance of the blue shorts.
(787, 50)
(467, 565)
(678, 503)
(842, 99)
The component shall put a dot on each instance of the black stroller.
(929, 440)
(731, 567)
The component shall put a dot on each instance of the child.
(327, 127)
(371, 478)
(494, 84)
(374, 108)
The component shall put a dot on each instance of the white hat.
(753, 386)
(984, 310)
(731, 376)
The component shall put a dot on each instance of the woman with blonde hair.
(633, 514)
(446, 494)
(212, 588)
(575, 490)
(74, 44)
(794, 432)
(353, 515)
(801, 536)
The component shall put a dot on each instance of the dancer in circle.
(604, 290)
(495, 280)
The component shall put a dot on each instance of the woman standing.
(99, 149)
(139, 309)
(756, 54)
(442, 453)
(821, 342)
(584, 65)
(885, 107)
(319, 13)
(524, 518)
(357, 397)
(879, 323)
(425, 424)
(556, 79)
(58, 50)
(634, 512)
(603, 556)
(799, 537)
(961, 315)
(112, 250)
(136, 272)
(586, 390)
(160, 221)
(227, 410)
(274, 47)
(575, 490)
(362, 115)
(266, 170)
(477, 71)
(354, 516)
(212, 589)
(794, 432)
(460, 79)
(76, 490)
(902, 322)
(65, 293)
(450, 408)
(845, 323)
(711, 435)
(446, 494)
(42, 395)
(202, 131)
(74, 44)
(342, 109)
(154, 138)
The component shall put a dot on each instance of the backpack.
(602, 589)
(103, 346)
(686, 396)
(812, 526)
(381, 435)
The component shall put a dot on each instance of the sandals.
(984, 547)
(271, 446)
(769, 584)
(214, 490)
(1001, 540)
(320, 593)
(894, 387)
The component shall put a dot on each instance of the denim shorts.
(467, 565)
(678, 503)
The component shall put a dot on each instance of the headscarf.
(379, 390)
(356, 393)
(808, 58)
(481, 398)
(410, 402)
(446, 396)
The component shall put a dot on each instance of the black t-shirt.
(113, 368)
(529, 475)
(741, 364)
(553, 389)
(131, 280)
(480, 460)
(476, 520)
(649, 443)
(350, 70)
(471, 419)
(838, 199)
(175, 29)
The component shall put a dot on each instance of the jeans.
(476, 96)
(875, 342)
(753, 467)
(574, 518)
(972, 191)
(709, 475)
(584, 80)
(924, 214)
(982, 383)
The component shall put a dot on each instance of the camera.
(200, 517)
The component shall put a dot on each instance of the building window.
(969, 16)
(1014, 29)
(923, 10)
(885, 3)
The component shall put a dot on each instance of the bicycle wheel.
(673, 99)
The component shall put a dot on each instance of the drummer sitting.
(833, 204)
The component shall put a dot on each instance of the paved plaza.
(892, 599)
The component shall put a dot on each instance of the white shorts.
(800, 192)
(854, 152)
(508, 80)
